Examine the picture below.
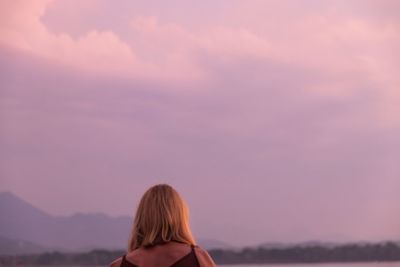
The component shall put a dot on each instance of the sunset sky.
(275, 120)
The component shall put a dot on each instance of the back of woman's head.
(163, 215)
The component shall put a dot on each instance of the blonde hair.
(161, 213)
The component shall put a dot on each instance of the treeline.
(388, 251)
(94, 257)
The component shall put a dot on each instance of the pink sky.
(276, 120)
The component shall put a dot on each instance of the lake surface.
(391, 264)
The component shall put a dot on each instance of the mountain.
(22, 221)
(213, 244)
(305, 244)
(12, 246)
(80, 232)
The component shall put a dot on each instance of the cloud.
(63, 127)
(167, 51)
(149, 48)
(287, 105)
(102, 51)
(98, 51)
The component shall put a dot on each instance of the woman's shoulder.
(203, 257)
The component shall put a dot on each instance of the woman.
(161, 234)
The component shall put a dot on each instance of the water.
(391, 264)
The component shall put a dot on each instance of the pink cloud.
(99, 51)
(349, 49)
(102, 51)
(299, 102)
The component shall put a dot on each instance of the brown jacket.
(166, 255)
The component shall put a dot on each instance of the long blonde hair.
(161, 213)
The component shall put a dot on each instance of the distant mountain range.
(14, 246)
(27, 229)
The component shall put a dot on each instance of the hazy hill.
(304, 244)
(80, 232)
(213, 244)
(12, 246)
(22, 221)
